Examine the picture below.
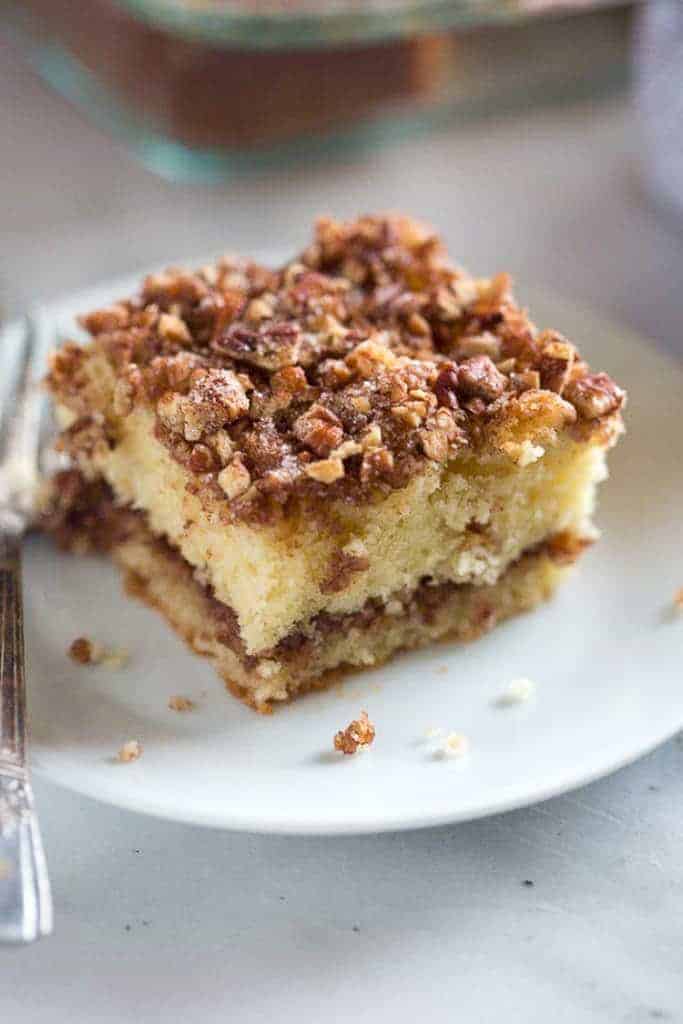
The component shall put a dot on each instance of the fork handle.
(25, 901)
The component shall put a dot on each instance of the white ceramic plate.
(605, 655)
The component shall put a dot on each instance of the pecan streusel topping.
(339, 375)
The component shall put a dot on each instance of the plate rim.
(404, 823)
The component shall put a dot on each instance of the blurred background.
(540, 136)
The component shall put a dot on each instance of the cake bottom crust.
(302, 662)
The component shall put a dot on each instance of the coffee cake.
(318, 465)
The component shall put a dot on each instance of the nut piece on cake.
(361, 451)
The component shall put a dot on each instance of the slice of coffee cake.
(318, 465)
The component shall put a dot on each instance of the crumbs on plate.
(517, 692)
(87, 652)
(455, 745)
(446, 746)
(356, 736)
(179, 703)
(130, 751)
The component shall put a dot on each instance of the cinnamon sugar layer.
(457, 613)
(107, 527)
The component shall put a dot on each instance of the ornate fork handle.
(25, 902)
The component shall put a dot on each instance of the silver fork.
(25, 900)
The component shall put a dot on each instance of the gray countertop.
(162, 922)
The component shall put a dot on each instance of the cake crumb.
(433, 733)
(517, 692)
(455, 745)
(179, 703)
(87, 652)
(130, 751)
(115, 658)
(358, 734)
(678, 600)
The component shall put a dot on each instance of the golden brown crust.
(337, 376)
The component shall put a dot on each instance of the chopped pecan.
(370, 357)
(215, 399)
(377, 465)
(173, 329)
(111, 318)
(319, 429)
(174, 286)
(527, 380)
(417, 324)
(557, 359)
(223, 446)
(361, 403)
(269, 346)
(325, 471)
(485, 344)
(492, 296)
(212, 314)
(289, 382)
(445, 305)
(595, 395)
(260, 309)
(346, 450)
(235, 479)
(202, 459)
(446, 387)
(434, 445)
(170, 372)
(334, 373)
(372, 438)
(438, 435)
(478, 377)
(410, 415)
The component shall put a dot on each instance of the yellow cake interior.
(464, 522)
(156, 574)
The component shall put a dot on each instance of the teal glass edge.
(176, 162)
(340, 23)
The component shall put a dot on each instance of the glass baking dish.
(201, 89)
